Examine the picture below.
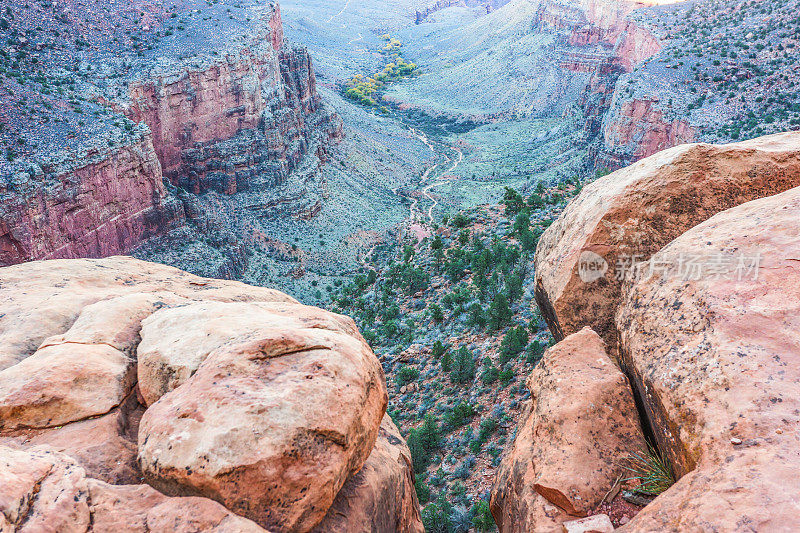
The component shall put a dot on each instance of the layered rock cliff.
(240, 408)
(240, 112)
(103, 202)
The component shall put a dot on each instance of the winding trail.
(416, 215)
(340, 12)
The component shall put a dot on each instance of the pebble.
(736, 441)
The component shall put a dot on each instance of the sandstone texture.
(242, 409)
(44, 490)
(381, 497)
(715, 358)
(580, 425)
(272, 424)
(632, 213)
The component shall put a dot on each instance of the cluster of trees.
(366, 89)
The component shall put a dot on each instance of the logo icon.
(591, 266)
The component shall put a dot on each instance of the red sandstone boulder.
(272, 423)
(380, 497)
(635, 211)
(715, 356)
(265, 405)
(175, 341)
(578, 429)
(43, 490)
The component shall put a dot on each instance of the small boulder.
(579, 427)
(598, 523)
(142, 509)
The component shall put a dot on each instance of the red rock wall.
(639, 129)
(103, 208)
(266, 88)
(201, 105)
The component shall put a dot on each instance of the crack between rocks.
(31, 503)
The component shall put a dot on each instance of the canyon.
(240, 121)
(537, 282)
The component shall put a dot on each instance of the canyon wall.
(243, 121)
(104, 203)
(238, 119)
(636, 128)
(603, 39)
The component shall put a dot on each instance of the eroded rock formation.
(278, 424)
(101, 203)
(241, 117)
(632, 213)
(571, 440)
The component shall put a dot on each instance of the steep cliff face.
(637, 128)
(241, 122)
(104, 203)
(229, 106)
(601, 38)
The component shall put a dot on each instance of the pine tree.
(463, 366)
(499, 312)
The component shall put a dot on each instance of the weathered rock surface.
(175, 341)
(140, 508)
(44, 490)
(105, 447)
(271, 408)
(47, 298)
(380, 497)
(254, 427)
(580, 425)
(635, 211)
(714, 357)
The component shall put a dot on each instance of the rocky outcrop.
(104, 202)
(380, 497)
(603, 39)
(45, 490)
(240, 122)
(268, 411)
(625, 217)
(253, 428)
(714, 358)
(571, 441)
(636, 128)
